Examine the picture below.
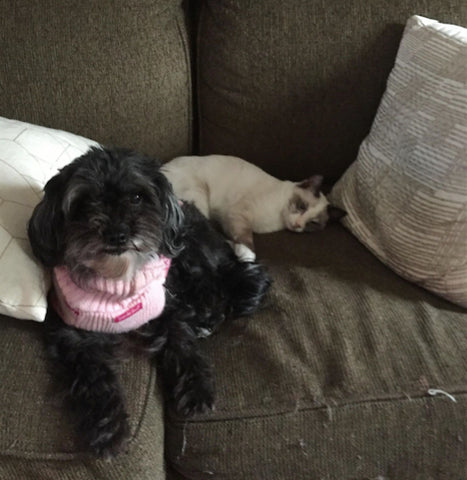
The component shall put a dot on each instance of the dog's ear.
(172, 213)
(46, 226)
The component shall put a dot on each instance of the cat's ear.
(335, 213)
(313, 184)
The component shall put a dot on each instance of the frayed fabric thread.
(436, 391)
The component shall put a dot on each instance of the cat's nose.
(298, 227)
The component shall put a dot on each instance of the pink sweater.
(108, 305)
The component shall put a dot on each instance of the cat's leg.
(238, 228)
(198, 196)
(244, 253)
(201, 201)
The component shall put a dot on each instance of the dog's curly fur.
(108, 213)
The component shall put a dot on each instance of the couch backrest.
(294, 85)
(117, 71)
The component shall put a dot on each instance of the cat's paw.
(244, 253)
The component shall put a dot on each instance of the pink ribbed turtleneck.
(108, 305)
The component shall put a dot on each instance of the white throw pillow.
(29, 156)
(406, 193)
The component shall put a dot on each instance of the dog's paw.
(195, 396)
(109, 437)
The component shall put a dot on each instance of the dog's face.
(106, 213)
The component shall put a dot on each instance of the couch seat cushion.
(331, 380)
(37, 438)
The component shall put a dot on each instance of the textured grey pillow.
(406, 193)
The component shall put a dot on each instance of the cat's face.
(308, 209)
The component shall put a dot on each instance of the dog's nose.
(116, 237)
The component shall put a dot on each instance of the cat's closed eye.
(300, 206)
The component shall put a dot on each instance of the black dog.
(108, 215)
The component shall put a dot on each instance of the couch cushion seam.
(323, 407)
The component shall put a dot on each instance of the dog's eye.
(136, 199)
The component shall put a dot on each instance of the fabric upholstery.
(331, 379)
(294, 86)
(406, 193)
(38, 441)
(118, 72)
(114, 71)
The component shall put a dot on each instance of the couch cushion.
(122, 81)
(331, 380)
(406, 194)
(29, 156)
(38, 441)
(294, 86)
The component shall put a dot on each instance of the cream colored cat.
(244, 199)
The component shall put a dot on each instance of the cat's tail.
(246, 284)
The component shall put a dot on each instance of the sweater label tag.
(130, 312)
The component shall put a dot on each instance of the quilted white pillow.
(406, 194)
(29, 156)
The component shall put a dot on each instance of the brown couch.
(330, 380)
